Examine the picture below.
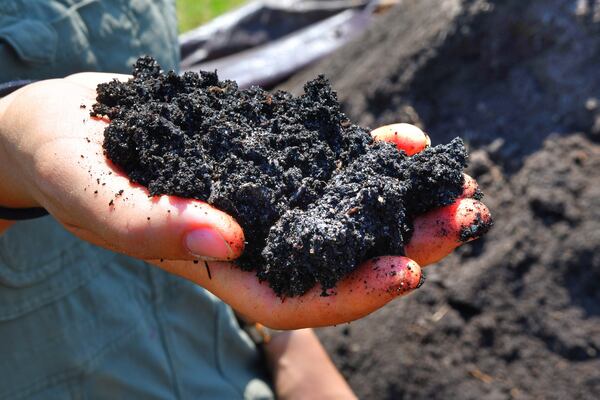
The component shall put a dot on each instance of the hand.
(51, 156)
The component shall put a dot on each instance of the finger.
(471, 188)
(94, 200)
(406, 137)
(367, 289)
(437, 233)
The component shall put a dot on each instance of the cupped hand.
(51, 156)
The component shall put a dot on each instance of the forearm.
(13, 191)
(3, 191)
(302, 369)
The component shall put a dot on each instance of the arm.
(302, 369)
(7, 181)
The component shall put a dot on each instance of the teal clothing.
(52, 38)
(78, 321)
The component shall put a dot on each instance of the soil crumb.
(314, 193)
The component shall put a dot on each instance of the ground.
(193, 13)
(516, 315)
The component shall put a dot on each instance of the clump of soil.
(314, 193)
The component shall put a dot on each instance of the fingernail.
(477, 229)
(427, 140)
(207, 242)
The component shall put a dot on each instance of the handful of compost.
(315, 194)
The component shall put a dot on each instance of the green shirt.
(78, 321)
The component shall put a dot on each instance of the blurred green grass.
(192, 13)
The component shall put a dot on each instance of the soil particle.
(477, 229)
(422, 280)
(314, 194)
(207, 269)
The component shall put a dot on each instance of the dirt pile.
(288, 169)
(517, 314)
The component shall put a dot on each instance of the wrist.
(13, 190)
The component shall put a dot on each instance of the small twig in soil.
(208, 270)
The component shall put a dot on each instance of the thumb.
(167, 227)
(92, 199)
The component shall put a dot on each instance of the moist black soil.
(515, 315)
(314, 193)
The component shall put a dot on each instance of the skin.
(405, 136)
(58, 164)
(302, 369)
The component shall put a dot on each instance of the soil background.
(516, 314)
